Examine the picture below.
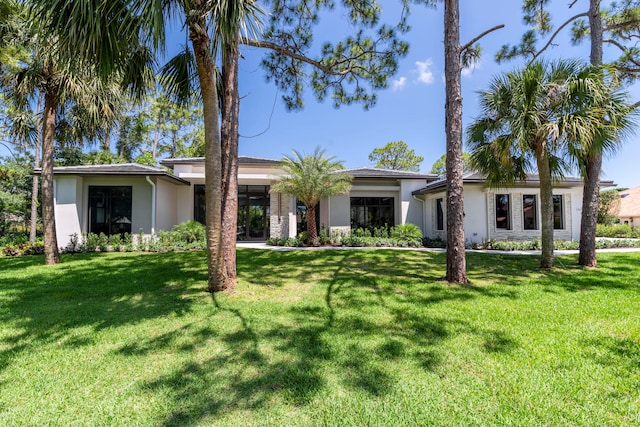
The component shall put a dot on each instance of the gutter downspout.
(153, 205)
(424, 214)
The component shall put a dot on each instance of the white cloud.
(425, 75)
(399, 84)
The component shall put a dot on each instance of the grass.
(350, 338)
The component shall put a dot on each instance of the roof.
(387, 173)
(629, 203)
(242, 160)
(118, 169)
(532, 180)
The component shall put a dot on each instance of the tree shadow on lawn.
(355, 332)
(97, 290)
(615, 271)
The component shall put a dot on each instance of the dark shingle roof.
(387, 173)
(242, 160)
(532, 180)
(118, 169)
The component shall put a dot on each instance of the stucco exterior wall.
(480, 214)
(570, 231)
(166, 205)
(411, 209)
(140, 200)
(68, 208)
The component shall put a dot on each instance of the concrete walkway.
(262, 245)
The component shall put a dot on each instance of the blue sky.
(412, 108)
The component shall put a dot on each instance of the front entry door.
(253, 212)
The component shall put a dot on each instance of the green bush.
(409, 234)
(617, 231)
(190, 232)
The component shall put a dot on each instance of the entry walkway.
(262, 245)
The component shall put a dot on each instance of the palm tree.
(117, 33)
(528, 118)
(311, 178)
(63, 83)
(614, 119)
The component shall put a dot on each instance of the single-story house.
(627, 208)
(123, 198)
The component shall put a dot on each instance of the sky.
(411, 109)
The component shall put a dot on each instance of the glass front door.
(253, 212)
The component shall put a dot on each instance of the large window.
(529, 212)
(199, 204)
(558, 212)
(439, 214)
(109, 210)
(372, 212)
(253, 210)
(503, 212)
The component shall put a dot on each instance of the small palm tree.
(310, 178)
(528, 119)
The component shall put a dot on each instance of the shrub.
(115, 241)
(434, 243)
(323, 236)
(190, 232)
(618, 230)
(407, 234)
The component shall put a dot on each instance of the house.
(627, 209)
(123, 198)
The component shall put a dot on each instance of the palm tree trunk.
(589, 219)
(36, 182)
(456, 258)
(229, 137)
(312, 228)
(213, 164)
(51, 254)
(546, 206)
(593, 168)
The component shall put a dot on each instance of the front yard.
(367, 337)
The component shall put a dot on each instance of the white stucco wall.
(166, 204)
(68, 208)
(140, 200)
(479, 220)
(411, 210)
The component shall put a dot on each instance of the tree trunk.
(593, 167)
(590, 194)
(213, 164)
(312, 228)
(51, 254)
(229, 136)
(36, 182)
(456, 258)
(156, 136)
(546, 205)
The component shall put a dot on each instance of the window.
(503, 212)
(529, 212)
(558, 213)
(439, 214)
(253, 210)
(109, 210)
(199, 204)
(372, 212)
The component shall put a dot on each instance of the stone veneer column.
(279, 216)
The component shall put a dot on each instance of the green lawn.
(349, 338)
